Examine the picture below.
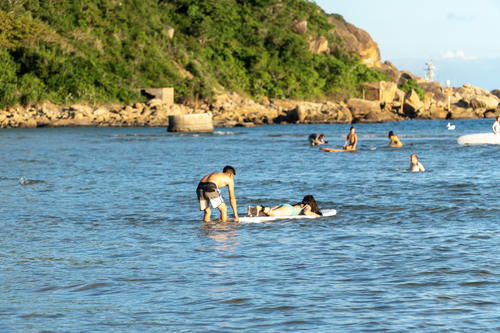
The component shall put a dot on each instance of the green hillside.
(97, 51)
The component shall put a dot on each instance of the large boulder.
(412, 104)
(405, 76)
(390, 70)
(484, 102)
(380, 91)
(462, 113)
(475, 97)
(360, 108)
(439, 113)
(381, 116)
(496, 92)
(323, 113)
(439, 94)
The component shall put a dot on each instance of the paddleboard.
(479, 139)
(261, 219)
(335, 150)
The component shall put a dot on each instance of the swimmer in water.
(317, 139)
(395, 142)
(352, 140)
(496, 126)
(415, 165)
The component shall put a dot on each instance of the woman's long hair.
(309, 200)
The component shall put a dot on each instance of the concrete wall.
(197, 122)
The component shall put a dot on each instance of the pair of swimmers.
(317, 139)
(351, 140)
(208, 193)
(415, 165)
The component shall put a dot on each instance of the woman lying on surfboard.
(395, 142)
(307, 206)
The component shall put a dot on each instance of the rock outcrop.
(383, 102)
(318, 45)
(356, 40)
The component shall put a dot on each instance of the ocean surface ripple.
(101, 231)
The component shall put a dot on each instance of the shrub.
(412, 84)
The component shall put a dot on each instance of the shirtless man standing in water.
(352, 139)
(208, 193)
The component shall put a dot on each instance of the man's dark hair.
(230, 169)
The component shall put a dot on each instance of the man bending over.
(208, 193)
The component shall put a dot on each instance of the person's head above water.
(391, 133)
(229, 169)
(414, 158)
(352, 129)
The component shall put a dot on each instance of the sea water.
(101, 231)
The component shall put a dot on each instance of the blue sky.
(462, 38)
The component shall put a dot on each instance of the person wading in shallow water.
(209, 194)
(352, 140)
(395, 142)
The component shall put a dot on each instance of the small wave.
(42, 315)
(226, 133)
(91, 286)
(25, 181)
(286, 135)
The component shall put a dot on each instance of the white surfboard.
(261, 219)
(479, 139)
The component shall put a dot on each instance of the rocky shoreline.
(383, 102)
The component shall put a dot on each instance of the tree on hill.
(97, 51)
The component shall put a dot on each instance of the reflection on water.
(225, 235)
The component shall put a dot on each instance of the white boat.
(479, 139)
(450, 126)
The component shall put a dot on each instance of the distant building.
(166, 95)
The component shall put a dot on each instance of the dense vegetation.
(412, 84)
(97, 51)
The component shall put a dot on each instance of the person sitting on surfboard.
(496, 126)
(317, 139)
(208, 193)
(307, 206)
(415, 165)
(352, 139)
(395, 142)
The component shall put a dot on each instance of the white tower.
(429, 70)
